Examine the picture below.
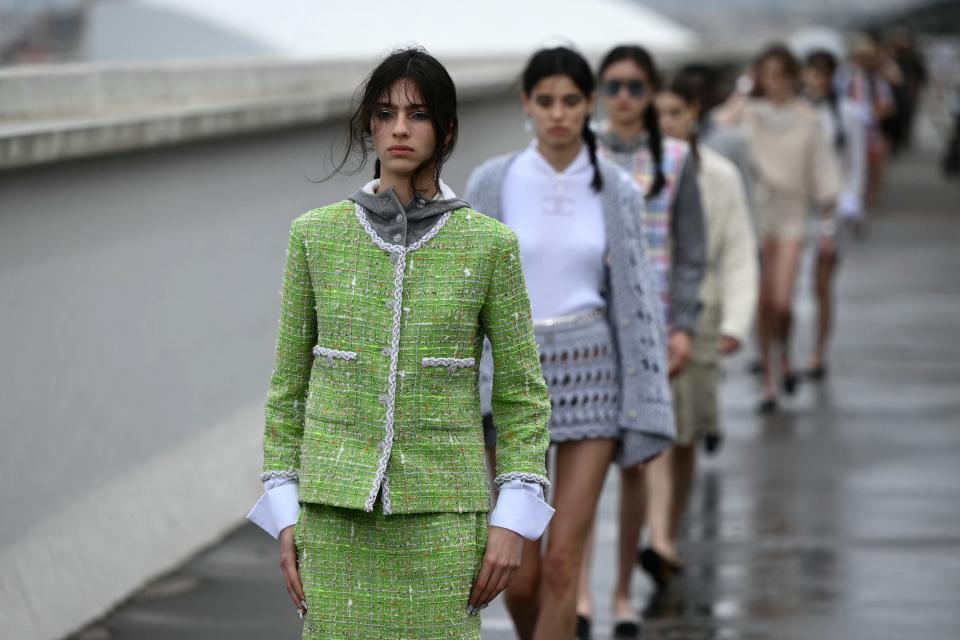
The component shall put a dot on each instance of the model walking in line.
(794, 170)
(729, 296)
(674, 237)
(732, 144)
(844, 128)
(598, 322)
(373, 414)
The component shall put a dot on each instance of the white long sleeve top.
(558, 219)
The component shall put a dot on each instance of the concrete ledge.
(87, 559)
(50, 114)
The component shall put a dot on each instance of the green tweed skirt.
(367, 576)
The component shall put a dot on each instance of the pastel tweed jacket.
(374, 390)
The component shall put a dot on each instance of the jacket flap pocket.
(451, 364)
(333, 354)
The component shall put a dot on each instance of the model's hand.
(500, 562)
(678, 351)
(291, 570)
(728, 345)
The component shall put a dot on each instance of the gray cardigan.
(634, 310)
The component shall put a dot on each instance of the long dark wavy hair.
(642, 58)
(437, 92)
(567, 62)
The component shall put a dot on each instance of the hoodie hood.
(399, 223)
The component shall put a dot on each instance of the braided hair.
(567, 62)
(642, 58)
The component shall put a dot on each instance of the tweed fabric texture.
(371, 415)
(635, 314)
(368, 576)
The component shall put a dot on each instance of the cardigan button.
(383, 398)
(632, 371)
(386, 352)
(633, 414)
(397, 237)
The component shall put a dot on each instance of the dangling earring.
(527, 124)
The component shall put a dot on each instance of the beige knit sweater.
(730, 282)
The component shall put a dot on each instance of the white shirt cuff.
(522, 509)
(278, 507)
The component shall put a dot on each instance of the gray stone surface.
(837, 519)
(53, 113)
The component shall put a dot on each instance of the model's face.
(773, 78)
(816, 83)
(402, 130)
(626, 92)
(677, 117)
(558, 110)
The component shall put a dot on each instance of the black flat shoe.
(583, 628)
(660, 569)
(816, 373)
(712, 443)
(767, 406)
(790, 382)
(625, 629)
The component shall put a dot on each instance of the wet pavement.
(837, 518)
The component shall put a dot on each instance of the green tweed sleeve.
(286, 398)
(521, 404)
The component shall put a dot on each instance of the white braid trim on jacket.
(399, 253)
(279, 475)
(504, 478)
(452, 364)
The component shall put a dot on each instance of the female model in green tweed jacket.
(374, 407)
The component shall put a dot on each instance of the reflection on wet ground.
(839, 518)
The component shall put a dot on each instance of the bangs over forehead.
(404, 92)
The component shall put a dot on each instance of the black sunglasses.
(636, 88)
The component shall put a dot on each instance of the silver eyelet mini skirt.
(579, 362)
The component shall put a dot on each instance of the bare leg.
(584, 591)
(581, 469)
(522, 596)
(825, 269)
(784, 271)
(632, 509)
(660, 498)
(684, 459)
(765, 314)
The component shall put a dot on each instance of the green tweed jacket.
(375, 386)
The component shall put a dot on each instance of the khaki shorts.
(780, 216)
(695, 400)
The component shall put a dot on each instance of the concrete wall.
(57, 113)
(139, 305)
